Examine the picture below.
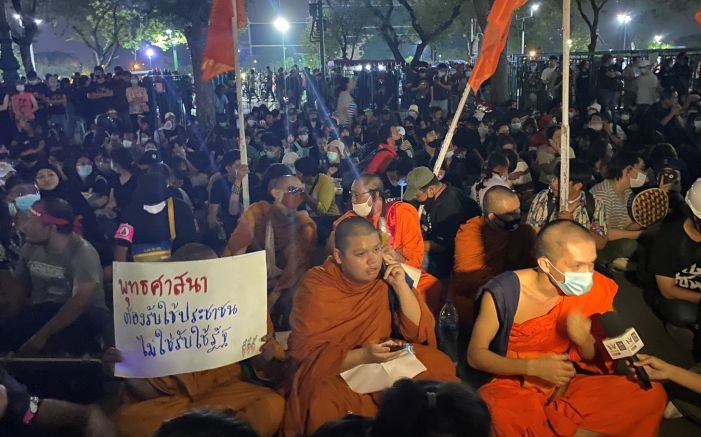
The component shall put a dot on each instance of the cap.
(401, 131)
(168, 115)
(414, 108)
(5, 169)
(693, 198)
(149, 157)
(416, 180)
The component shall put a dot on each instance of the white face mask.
(363, 209)
(697, 125)
(155, 209)
(126, 143)
(596, 126)
(303, 138)
(449, 154)
(639, 180)
(479, 115)
(482, 131)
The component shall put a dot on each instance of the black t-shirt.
(440, 93)
(101, 105)
(124, 193)
(119, 100)
(57, 108)
(219, 195)
(675, 255)
(606, 82)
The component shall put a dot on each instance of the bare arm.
(670, 290)
(618, 234)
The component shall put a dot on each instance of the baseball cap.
(414, 108)
(416, 180)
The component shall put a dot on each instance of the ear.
(491, 216)
(337, 255)
(543, 265)
(277, 194)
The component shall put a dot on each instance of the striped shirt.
(616, 204)
(540, 214)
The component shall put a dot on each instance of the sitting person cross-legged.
(537, 332)
(343, 315)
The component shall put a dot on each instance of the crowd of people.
(368, 249)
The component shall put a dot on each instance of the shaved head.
(498, 200)
(194, 252)
(372, 182)
(284, 182)
(557, 235)
(352, 227)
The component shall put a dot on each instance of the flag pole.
(451, 130)
(564, 177)
(239, 99)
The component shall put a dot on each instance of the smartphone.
(670, 176)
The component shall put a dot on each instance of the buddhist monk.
(149, 402)
(400, 233)
(288, 236)
(488, 245)
(343, 314)
(537, 332)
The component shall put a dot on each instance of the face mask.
(697, 125)
(292, 200)
(596, 126)
(510, 225)
(482, 131)
(20, 88)
(576, 283)
(127, 144)
(303, 138)
(332, 156)
(25, 202)
(479, 115)
(135, 82)
(169, 125)
(625, 118)
(251, 123)
(639, 180)
(84, 170)
(516, 126)
(271, 155)
(449, 154)
(434, 144)
(414, 114)
(468, 73)
(12, 209)
(363, 209)
(155, 209)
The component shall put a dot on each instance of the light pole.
(282, 26)
(624, 19)
(534, 8)
(169, 32)
(149, 54)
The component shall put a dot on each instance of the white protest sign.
(180, 317)
(624, 346)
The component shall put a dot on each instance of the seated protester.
(225, 196)
(343, 318)
(272, 152)
(179, 181)
(538, 138)
(446, 209)
(304, 145)
(582, 207)
(124, 187)
(319, 195)
(206, 423)
(22, 414)
(287, 235)
(534, 333)
(549, 157)
(150, 402)
(335, 158)
(154, 224)
(519, 173)
(400, 230)
(403, 143)
(63, 277)
(496, 173)
(430, 408)
(93, 186)
(628, 171)
(519, 136)
(674, 260)
(430, 146)
(395, 178)
(386, 151)
(19, 195)
(487, 246)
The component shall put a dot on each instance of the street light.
(149, 54)
(534, 8)
(169, 33)
(658, 38)
(282, 26)
(624, 19)
(38, 21)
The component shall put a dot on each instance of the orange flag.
(219, 52)
(495, 36)
(698, 15)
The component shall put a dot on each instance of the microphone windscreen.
(613, 324)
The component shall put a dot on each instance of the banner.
(180, 317)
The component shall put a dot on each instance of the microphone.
(623, 342)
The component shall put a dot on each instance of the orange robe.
(406, 238)
(294, 240)
(610, 405)
(219, 389)
(482, 253)
(332, 316)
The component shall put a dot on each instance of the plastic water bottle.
(448, 330)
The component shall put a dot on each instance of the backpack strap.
(591, 205)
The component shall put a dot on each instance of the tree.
(63, 64)
(429, 21)
(346, 21)
(103, 25)
(25, 30)
(592, 21)
(383, 13)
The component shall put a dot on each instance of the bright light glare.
(281, 24)
(367, 67)
(16, 16)
(535, 7)
(38, 21)
(532, 53)
(149, 52)
(569, 42)
(169, 32)
(658, 38)
(624, 18)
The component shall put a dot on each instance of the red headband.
(51, 220)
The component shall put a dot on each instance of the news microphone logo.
(623, 343)
(624, 346)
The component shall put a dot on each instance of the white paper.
(625, 345)
(371, 378)
(413, 273)
(180, 317)
(282, 337)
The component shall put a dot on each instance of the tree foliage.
(154, 32)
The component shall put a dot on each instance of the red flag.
(219, 52)
(495, 36)
(698, 15)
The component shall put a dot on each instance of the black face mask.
(29, 158)
(435, 144)
(510, 225)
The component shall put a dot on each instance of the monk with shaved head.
(350, 311)
(487, 246)
(536, 333)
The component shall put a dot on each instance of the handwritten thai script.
(207, 337)
(161, 313)
(176, 286)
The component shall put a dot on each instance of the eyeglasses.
(295, 190)
(356, 195)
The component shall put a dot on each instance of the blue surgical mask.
(333, 156)
(84, 170)
(576, 283)
(25, 202)
(271, 155)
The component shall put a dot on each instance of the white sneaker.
(623, 265)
